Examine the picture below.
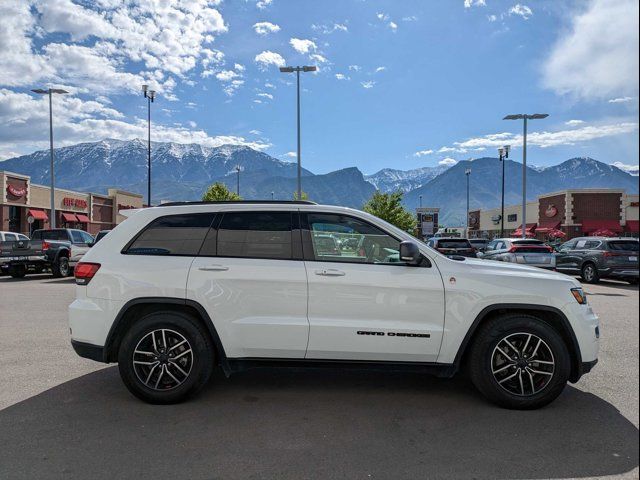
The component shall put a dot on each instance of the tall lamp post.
(525, 117)
(467, 173)
(150, 95)
(50, 92)
(297, 70)
(504, 154)
(238, 170)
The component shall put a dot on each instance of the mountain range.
(183, 172)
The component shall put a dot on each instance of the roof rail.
(233, 202)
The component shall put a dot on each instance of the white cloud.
(410, 18)
(368, 84)
(303, 46)
(327, 29)
(422, 153)
(24, 118)
(355, 68)
(262, 4)
(318, 58)
(226, 75)
(380, 69)
(623, 99)
(574, 123)
(448, 161)
(474, 3)
(521, 11)
(393, 26)
(192, 124)
(290, 155)
(265, 95)
(631, 169)
(341, 76)
(265, 28)
(382, 16)
(492, 18)
(446, 150)
(267, 58)
(598, 56)
(255, 132)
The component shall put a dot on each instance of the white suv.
(177, 289)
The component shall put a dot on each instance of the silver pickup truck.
(57, 250)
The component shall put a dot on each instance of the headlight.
(579, 295)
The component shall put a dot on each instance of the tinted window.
(528, 242)
(512, 218)
(624, 245)
(172, 235)
(52, 235)
(22, 237)
(592, 244)
(454, 244)
(254, 235)
(339, 238)
(77, 237)
(492, 245)
(10, 237)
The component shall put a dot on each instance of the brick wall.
(546, 203)
(596, 206)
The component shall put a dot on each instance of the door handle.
(330, 272)
(213, 268)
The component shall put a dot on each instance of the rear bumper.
(87, 350)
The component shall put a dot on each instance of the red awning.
(593, 225)
(82, 218)
(632, 226)
(546, 228)
(38, 214)
(69, 217)
(529, 229)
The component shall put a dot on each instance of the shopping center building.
(576, 213)
(25, 206)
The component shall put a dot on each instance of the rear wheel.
(590, 273)
(165, 357)
(520, 362)
(61, 268)
(18, 271)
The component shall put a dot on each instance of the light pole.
(420, 201)
(238, 169)
(504, 154)
(467, 172)
(150, 95)
(50, 92)
(525, 117)
(272, 196)
(298, 70)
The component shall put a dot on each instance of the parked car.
(101, 234)
(480, 244)
(57, 250)
(594, 258)
(9, 237)
(180, 288)
(533, 253)
(453, 246)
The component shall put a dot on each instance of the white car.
(178, 289)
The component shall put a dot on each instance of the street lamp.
(503, 152)
(420, 201)
(297, 70)
(467, 172)
(238, 169)
(50, 92)
(150, 95)
(525, 117)
(272, 196)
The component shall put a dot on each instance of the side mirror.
(409, 253)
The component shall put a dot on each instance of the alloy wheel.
(589, 273)
(162, 359)
(522, 364)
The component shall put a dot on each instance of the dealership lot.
(65, 417)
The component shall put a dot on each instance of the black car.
(594, 258)
(453, 246)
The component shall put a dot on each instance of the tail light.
(45, 246)
(85, 271)
(611, 254)
(550, 249)
(512, 249)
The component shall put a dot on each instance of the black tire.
(589, 273)
(481, 355)
(61, 268)
(201, 365)
(18, 271)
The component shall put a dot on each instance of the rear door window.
(627, 245)
(76, 237)
(253, 235)
(172, 235)
(10, 237)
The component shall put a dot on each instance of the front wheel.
(519, 362)
(165, 357)
(590, 273)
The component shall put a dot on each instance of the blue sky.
(400, 84)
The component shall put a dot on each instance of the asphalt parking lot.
(66, 417)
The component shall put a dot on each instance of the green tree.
(218, 192)
(304, 195)
(388, 207)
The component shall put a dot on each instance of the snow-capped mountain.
(392, 180)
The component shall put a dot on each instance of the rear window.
(172, 235)
(51, 235)
(527, 242)
(255, 235)
(624, 245)
(453, 244)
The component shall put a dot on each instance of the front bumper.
(87, 350)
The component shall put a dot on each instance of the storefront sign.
(125, 207)
(74, 202)
(16, 191)
(551, 211)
